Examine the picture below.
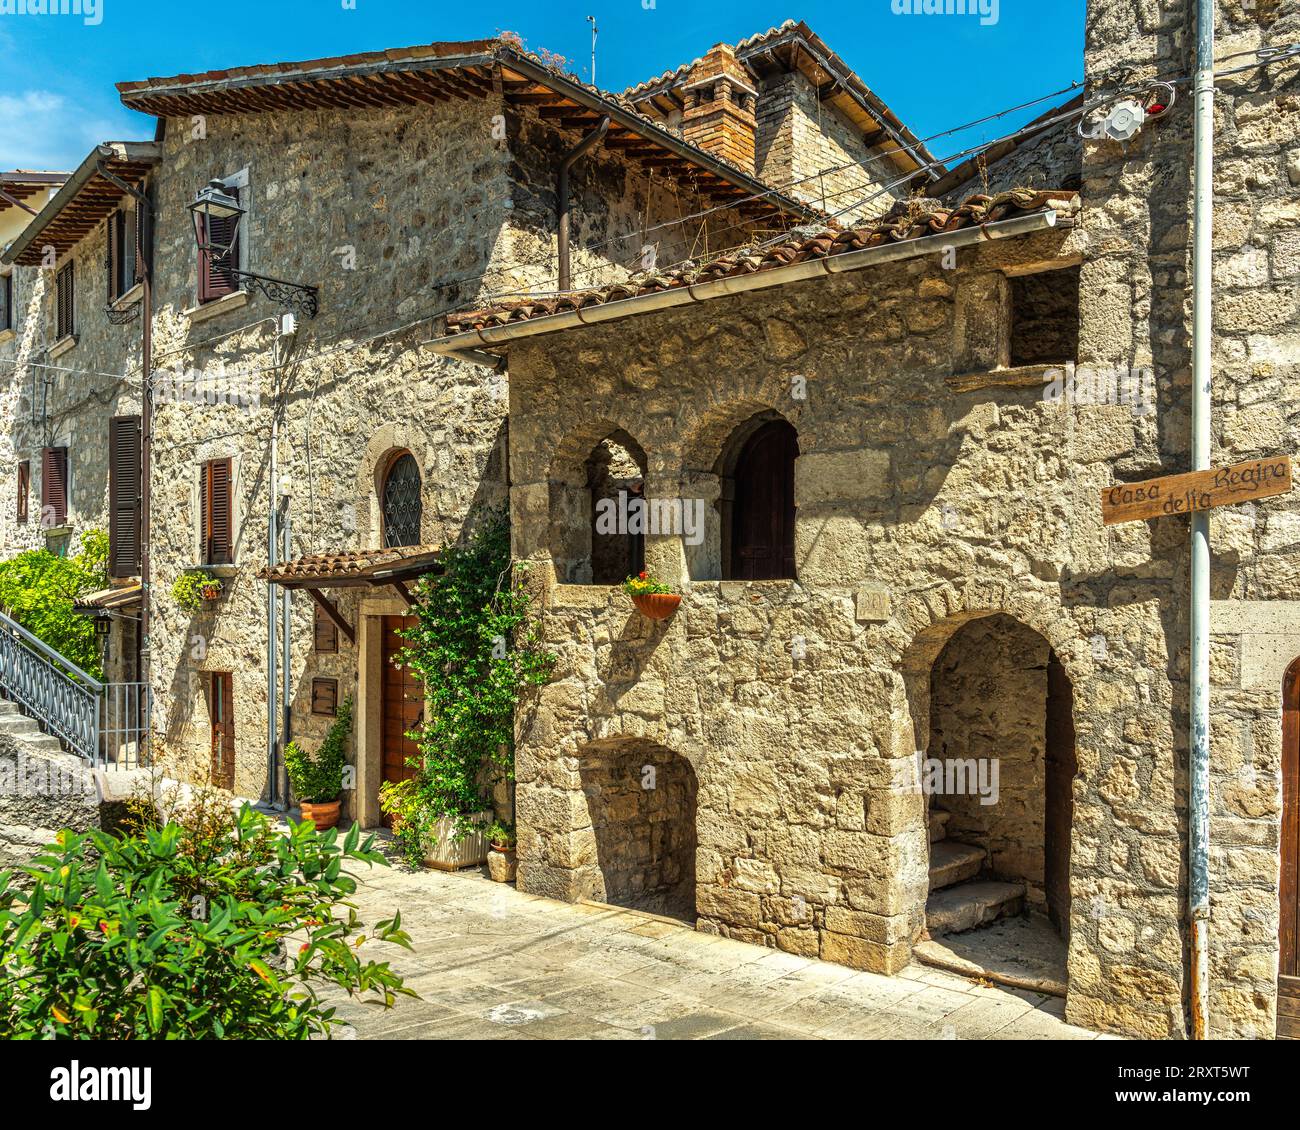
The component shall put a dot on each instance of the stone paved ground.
(491, 963)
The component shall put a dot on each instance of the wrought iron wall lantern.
(214, 203)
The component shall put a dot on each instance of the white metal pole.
(1198, 887)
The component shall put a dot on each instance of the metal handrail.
(63, 697)
(49, 652)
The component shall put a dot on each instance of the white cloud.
(42, 129)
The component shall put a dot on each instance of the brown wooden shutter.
(54, 486)
(215, 277)
(326, 634)
(113, 255)
(324, 696)
(24, 488)
(65, 301)
(124, 496)
(141, 247)
(215, 512)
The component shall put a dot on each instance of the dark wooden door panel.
(401, 704)
(1062, 766)
(222, 716)
(1288, 1018)
(764, 513)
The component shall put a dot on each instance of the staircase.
(15, 724)
(959, 899)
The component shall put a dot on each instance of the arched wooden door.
(1288, 981)
(762, 526)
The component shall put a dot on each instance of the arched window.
(762, 510)
(616, 480)
(400, 502)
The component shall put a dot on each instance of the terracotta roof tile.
(354, 564)
(906, 220)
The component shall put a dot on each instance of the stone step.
(18, 725)
(969, 905)
(938, 824)
(952, 862)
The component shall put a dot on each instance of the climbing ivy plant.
(475, 648)
(39, 588)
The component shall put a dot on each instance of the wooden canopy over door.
(762, 529)
(401, 702)
(1288, 981)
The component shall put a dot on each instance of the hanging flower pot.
(653, 599)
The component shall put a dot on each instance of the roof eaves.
(130, 153)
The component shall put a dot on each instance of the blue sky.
(935, 71)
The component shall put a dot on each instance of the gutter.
(469, 345)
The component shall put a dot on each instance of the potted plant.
(317, 781)
(501, 857)
(653, 599)
(194, 589)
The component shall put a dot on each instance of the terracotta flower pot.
(656, 605)
(323, 815)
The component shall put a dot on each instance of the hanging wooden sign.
(1196, 490)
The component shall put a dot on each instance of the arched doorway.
(641, 798)
(998, 775)
(762, 513)
(1288, 980)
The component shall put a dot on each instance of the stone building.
(397, 185)
(898, 437)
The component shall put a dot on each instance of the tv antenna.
(592, 20)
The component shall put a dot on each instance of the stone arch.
(385, 445)
(641, 799)
(990, 713)
(595, 463)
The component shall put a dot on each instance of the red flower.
(642, 574)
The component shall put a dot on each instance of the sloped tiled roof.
(905, 221)
(354, 567)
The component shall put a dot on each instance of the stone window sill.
(60, 347)
(222, 571)
(582, 596)
(216, 307)
(1012, 376)
(128, 298)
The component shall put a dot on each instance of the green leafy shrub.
(475, 648)
(501, 835)
(194, 589)
(210, 926)
(39, 588)
(319, 779)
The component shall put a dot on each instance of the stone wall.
(1135, 310)
(397, 216)
(807, 147)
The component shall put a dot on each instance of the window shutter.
(24, 488)
(64, 286)
(54, 485)
(325, 632)
(215, 277)
(215, 512)
(128, 247)
(141, 249)
(113, 254)
(6, 302)
(124, 496)
(324, 696)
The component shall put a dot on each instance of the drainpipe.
(1198, 862)
(273, 592)
(562, 195)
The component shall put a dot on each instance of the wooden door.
(762, 527)
(1288, 982)
(222, 715)
(401, 703)
(1062, 766)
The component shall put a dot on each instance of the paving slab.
(491, 963)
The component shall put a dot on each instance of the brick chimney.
(720, 107)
